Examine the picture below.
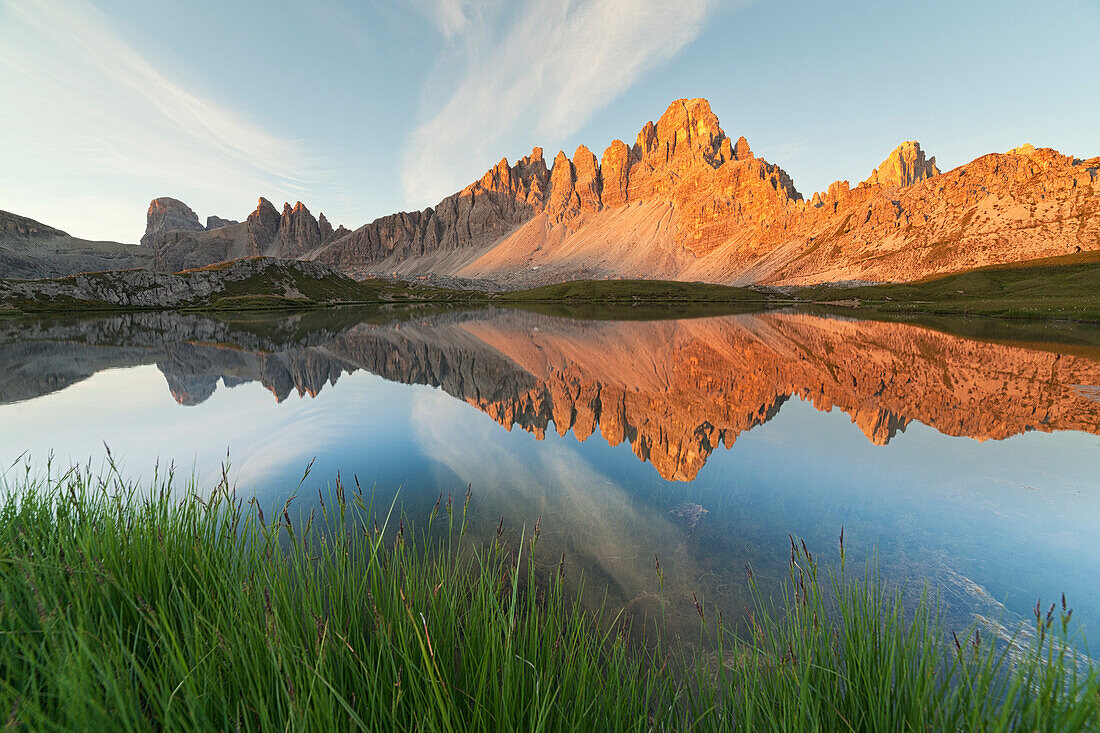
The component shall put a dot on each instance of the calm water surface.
(970, 464)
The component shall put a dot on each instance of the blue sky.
(360, 109)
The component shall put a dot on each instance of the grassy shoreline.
(1058, 288)
(1063, 288)
(126, 607)
(1054, 288)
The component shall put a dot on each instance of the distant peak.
(217, 222)
(697, 108)
(905, 166)
(688, 128)
(168, 214)
(691, 120)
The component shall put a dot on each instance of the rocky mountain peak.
(687, 126)
(614, 173)
(262, 225)
(563, 202)
(169, 214)
(1027, 150)
(298, 231)
(904, 167)
(741, 151)
(587, 180)
(264, 205)
(326, 228)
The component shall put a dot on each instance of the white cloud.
(542, 68)
(90, 112)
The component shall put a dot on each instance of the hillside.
(1066, 287)
(30, 249)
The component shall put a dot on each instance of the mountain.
(686, 202)
(683, 202)
(180, 242)
(29, 249)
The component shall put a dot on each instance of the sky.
(363, 108)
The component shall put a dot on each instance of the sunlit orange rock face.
(686, 202)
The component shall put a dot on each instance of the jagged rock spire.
(904, 167)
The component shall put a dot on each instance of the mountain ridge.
(684, 202)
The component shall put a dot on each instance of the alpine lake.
(961, 456)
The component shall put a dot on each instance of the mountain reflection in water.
(675, 390)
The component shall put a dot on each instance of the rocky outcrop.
(145, 289)
(168, 214)
(615, 173)
(741, 151)
(904, 167)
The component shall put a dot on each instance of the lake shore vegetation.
(164, 605)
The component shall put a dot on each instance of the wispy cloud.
(450, 17)
(91, 105)
(540, 68)
(785, 152)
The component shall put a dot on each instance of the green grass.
(1066, 287)
(130, 608)
(643, 311)
(633, 291)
